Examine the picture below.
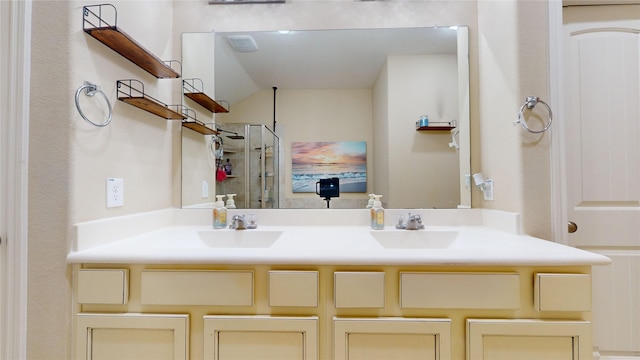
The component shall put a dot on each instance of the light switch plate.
(205, 189)
(115, 192)
(488, 191)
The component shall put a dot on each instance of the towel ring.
(530, 103)
(90, 90)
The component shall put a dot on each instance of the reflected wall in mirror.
(198, 152)
(367, 85)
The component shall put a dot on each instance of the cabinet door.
(528, 340)
(132, 337)
(260, 337)
(392, 338)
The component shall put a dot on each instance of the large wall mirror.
(340, 87)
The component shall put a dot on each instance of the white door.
(602, 138)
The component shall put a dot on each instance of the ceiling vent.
(218, 2)
(242, 43)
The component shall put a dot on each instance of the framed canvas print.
(345, 160)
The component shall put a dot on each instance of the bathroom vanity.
(320, 284)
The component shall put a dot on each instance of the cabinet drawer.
(460, 290)
(103, 286)
(359, 289)
(293, 288)
(228, 288)
(562, 292)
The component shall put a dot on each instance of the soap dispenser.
(219, 214)
(370, 203)
(231, 204)
(377, 214)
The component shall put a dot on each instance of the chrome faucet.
(238, 222)
(414, 222)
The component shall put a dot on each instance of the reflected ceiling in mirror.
(317, 59)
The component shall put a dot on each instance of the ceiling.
(319, 59)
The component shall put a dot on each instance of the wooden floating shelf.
(435, 128)
(206, 102)
(197, 94)
(153, 107)
(199, 127)
(126, 92)
(116, 39)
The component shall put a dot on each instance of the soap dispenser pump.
(377, 214)
(219, 213)
(231, 204)
(371, 200)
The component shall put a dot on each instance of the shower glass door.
(262, 166)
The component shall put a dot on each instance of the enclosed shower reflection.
(251, 164)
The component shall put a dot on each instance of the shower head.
(236, 137)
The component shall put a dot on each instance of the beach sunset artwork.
(312, 161)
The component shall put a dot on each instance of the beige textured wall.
(380, 94)
(200, 164)
(512, 46)
(423, 169)
(69, 160)
(310, 115)
(50, 188)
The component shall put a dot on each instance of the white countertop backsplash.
(319, 236)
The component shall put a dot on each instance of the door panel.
(617, 316)
(500, 339)
(602, 144)
(604, 135)
(391, 338)
(226, 337)
(391, 346)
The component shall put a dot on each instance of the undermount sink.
(414, 239)
(239, 238)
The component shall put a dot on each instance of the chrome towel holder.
(529, 103)
(90, 90)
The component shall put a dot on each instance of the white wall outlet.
(115, 192)
(205, 189)
(488, 191)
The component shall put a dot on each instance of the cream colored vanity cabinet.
(325, 312)
(363, 338)
(132, 336)
(392, 338)
(501, 339)
(261, 337)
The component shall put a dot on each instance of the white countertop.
(180, 243)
